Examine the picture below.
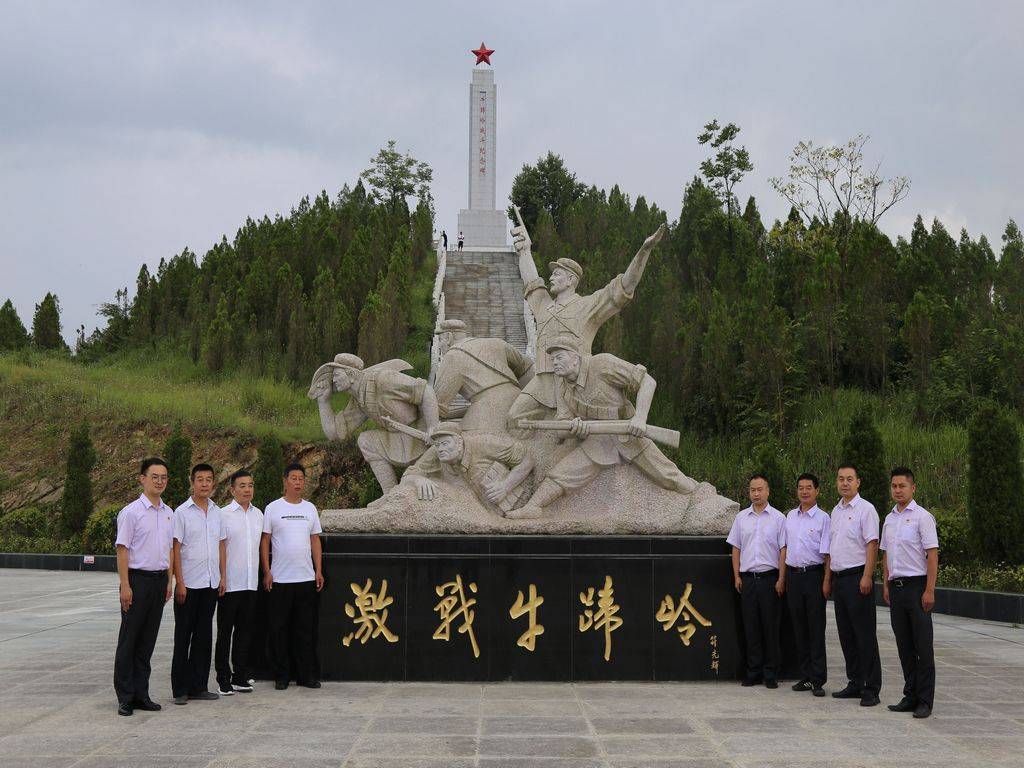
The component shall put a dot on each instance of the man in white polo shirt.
(293, 577)
(853, 549)
(197, 579)
(807, 583)
(241, 531)
(910, 565)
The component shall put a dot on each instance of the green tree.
(217, 341)
(546, 186)
(727, 168)
(395, 176)
(768, 462)
(994, 479)
(863, 448)
(46, 327)
(178, 455)
(12, 333)
(77, 505)
(268, 472)
(1009, 276)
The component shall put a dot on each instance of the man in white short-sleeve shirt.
(910, 566)
(242, 530)
(292, 565)
(197, 577)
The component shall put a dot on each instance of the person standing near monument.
(197, 533)
(808, 583)
(241, 531)
(145, 535)
(560, 311)
(853, 549)
(293, 577)
(910, 565)
(758, 539)
(462, 239)
(444, 240)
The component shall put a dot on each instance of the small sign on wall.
(89, 559)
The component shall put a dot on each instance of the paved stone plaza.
(57, 708)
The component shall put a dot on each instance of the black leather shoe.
(749, 682)
(922, 711)
(309, 684)
(772, 684)
(849, 692)
(906, 704)
(148, 705)
(125, 710)
(869, 700)
(280, 685)
(803, 685)
(818, 691)
(203, 696)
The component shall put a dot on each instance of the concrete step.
(484, 290)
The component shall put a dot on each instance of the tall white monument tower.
(481, 223)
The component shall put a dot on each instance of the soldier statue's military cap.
(346, 360)
(568, 265)
(447, 428)
(570, 343)
(450, 326)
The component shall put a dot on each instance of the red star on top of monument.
(483, 54)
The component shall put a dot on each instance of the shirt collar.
(209, 504)
(815, 509)
(150, 505)
(750, 510)
(911, 507)
(853, 502)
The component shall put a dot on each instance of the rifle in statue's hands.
(396, 426)
(663, 435)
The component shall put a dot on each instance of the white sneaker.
(251, 681)
(245, 688)
(222, 692)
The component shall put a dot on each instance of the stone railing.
(438, 300)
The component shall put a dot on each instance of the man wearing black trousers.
(910, 565)
(197, 531)
(758, 539)
(853, 549)
(241, 531)
(145, 530)
(293, 575)
(807, 583)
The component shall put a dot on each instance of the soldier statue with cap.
(560, 311)
(493, 466)
(489, 373)
(591, 390)
(388, 396)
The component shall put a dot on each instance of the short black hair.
(152, 461)
(239, 475)
(293, 467)
(201, 468)
(809, 476)
(902, 472)
(758, 476)
(849, 465)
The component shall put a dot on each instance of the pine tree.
(46, 327)
(178, 455)
(268, 471)
(217, 341)
(863, 448)
(994, 479)
(12, 332)
(76, 505)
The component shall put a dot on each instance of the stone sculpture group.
(516, 437)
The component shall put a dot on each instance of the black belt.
(850, 571)
(150, 574)
(906, 581)
(761, 574)
(805, 568)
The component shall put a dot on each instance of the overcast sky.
(129, 131)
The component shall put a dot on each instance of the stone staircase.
(484, 290)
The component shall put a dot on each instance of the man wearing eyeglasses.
(145, 534)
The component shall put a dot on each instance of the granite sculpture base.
(619, 501)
